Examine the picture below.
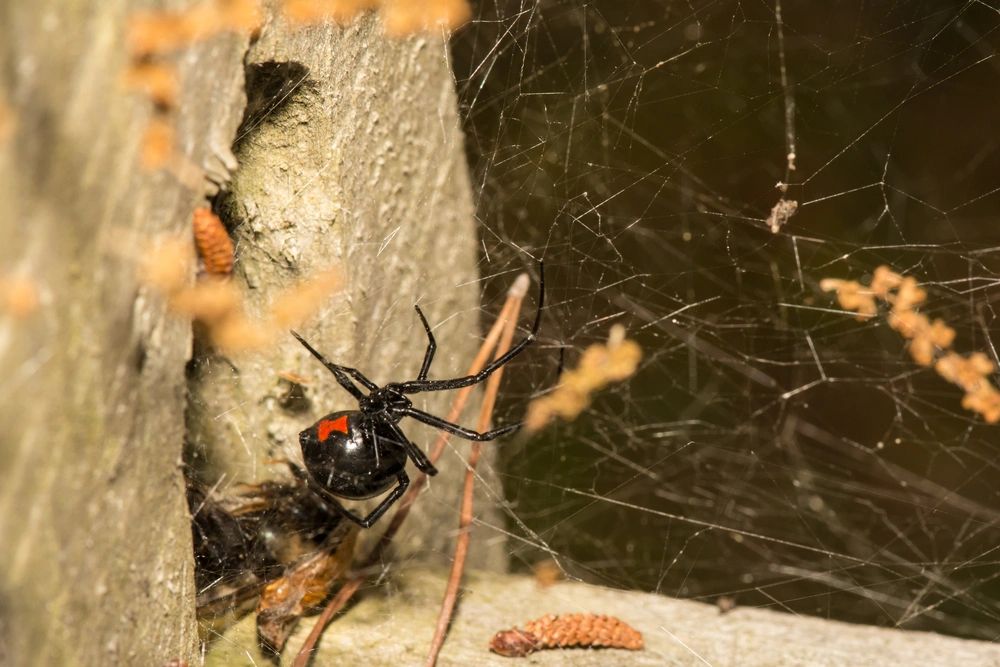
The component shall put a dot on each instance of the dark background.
(770, 448)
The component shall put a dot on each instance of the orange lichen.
(929, 340)
(567, 631)
(599, 366)
(213, 242)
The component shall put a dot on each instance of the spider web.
(772, 449)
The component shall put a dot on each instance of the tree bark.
(362, 169)
(351, 159)
(94, 532)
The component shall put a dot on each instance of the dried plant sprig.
(159, 32)
(7, 121)
(218, 304)
(19, 296)
(400, 17)
(154, 35)
(567, 631)
(157, 142)
(926, 337)
(903, 294)
(929, 340)
(599, 366)
(852, 295)
(156, 80)
(314, 11)
(970, 373)
(406, 17)
(167, 264)
(301, 300)
(884, 280)
(547, 573)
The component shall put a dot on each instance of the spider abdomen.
(346, 464)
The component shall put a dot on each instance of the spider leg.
(377, 513)
(324, 500)
(419, 459)
(415, 386)
(455, 429)
(340, 372)
(431, 347)
(334, 507)
(305, 481)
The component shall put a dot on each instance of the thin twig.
(515, 294)
(465, 520)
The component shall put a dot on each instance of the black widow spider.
(358, 454)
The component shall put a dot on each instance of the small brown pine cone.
(566, 631)
(214, 244)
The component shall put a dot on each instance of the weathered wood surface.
(357, 165)
(393, 624)
(94, 534)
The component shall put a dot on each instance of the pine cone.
(214, 244)
(567, 631)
